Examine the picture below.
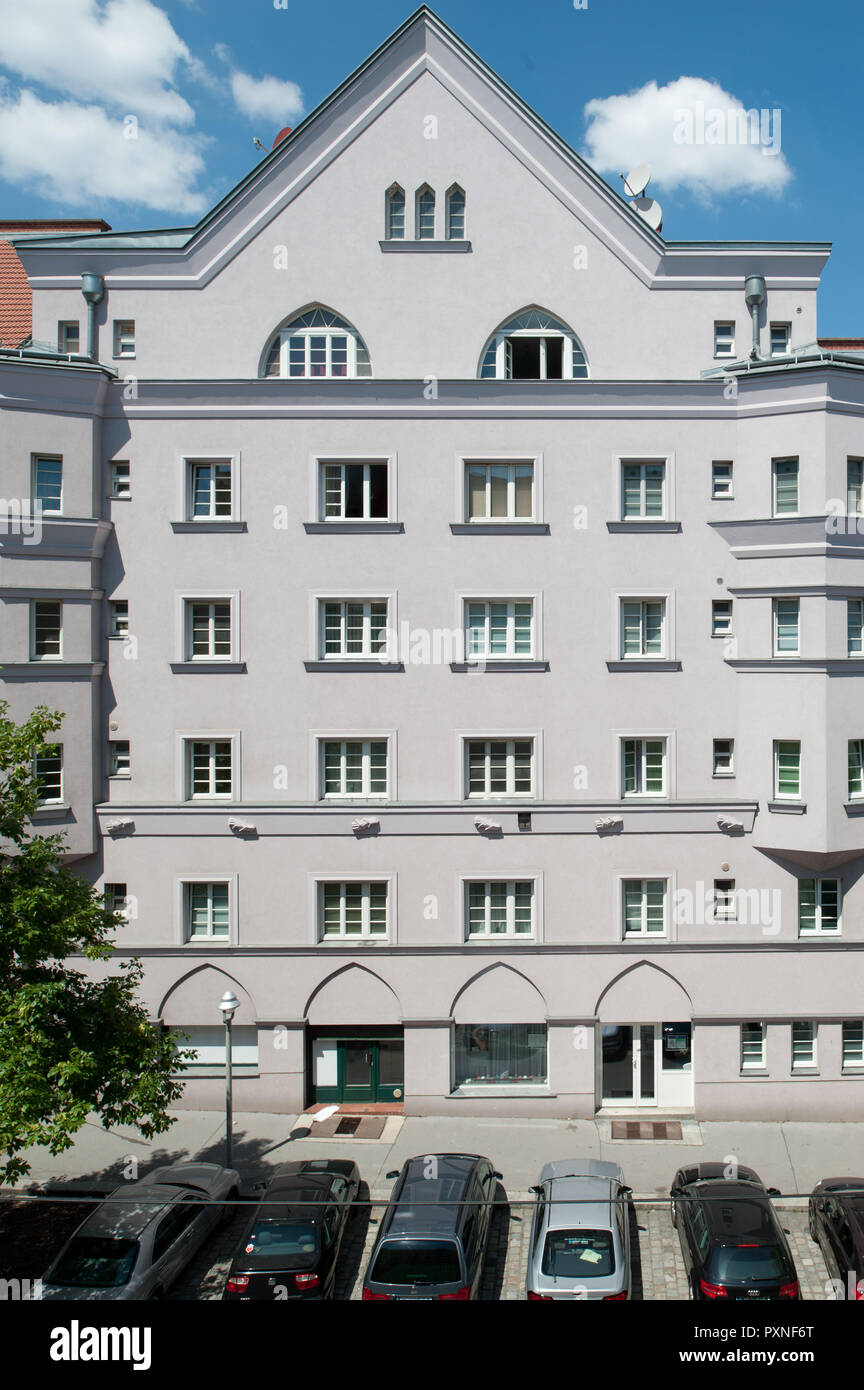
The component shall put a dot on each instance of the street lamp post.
(228, 1004)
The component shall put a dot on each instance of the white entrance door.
(646, 1065)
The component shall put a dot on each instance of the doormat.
(350, 1127)
(646, 1129)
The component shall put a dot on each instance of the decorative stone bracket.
(604, 825)
(120, 827)
(366, 825)
(488, 827)
(729, 826)
(244, 828)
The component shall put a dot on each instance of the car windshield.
(578, 1254)
(95, 1262)
(417, 1262)
(734, 1262)
(283, 1238)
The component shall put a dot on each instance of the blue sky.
(198, 79)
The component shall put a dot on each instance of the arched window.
(534, 346)
(317, 343)
(425, 213)
(455, 213)
(395, 213)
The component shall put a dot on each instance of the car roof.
(128, 1211)
(732, 1214)
(713, 1172)
(431, 1205)
(581, 1168)
(331, 1167)
(581, 1215)
(198, 1176)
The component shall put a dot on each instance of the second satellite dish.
(650, 210)
(636, 181)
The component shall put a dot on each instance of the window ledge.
(804, 1071)
(820, 935)
(365, 665)
(353, 528)
(855, 807)
(721, 776)
(641, 525)
(499, 528)
(538, 1088)
(788, 808)
(52, 808)
(185, 528)
(639, 663)
(209, 668)
(761, 1072)
(428, 244)
(491, 663)
(119, 636)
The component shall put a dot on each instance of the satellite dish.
(636, 181)
(650, 211)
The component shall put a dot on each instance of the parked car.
(580, 1235)
(433, 1235)
(290, 1247)
(836, 1211)
(136, 1242)
(733, 1245)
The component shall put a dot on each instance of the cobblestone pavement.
(658, 1269)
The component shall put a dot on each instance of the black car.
(732, 1243)
(433, 1236)
(836, 1210)
(291, 1244)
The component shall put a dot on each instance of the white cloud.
(122, 53)
(267, 98)
(694, 135)
(79, 156)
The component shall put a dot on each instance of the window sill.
(209, 668)
(361, 664)
(525, 1088)
(646, 936)
(788, 808)
(721, 636)
(429, 244)
(201, 943)
(207, 1073)
(855, 807)
(119, 496)
(353, 528)
(820, 936)
(508, 938)
(643, 663)
(761, 1072)
(642, 525)
(499, 528)
(492, 663)
(723, 776)
(185, 528)
(52, 808)
(119, 636)
(340, 942)
(804, 1071)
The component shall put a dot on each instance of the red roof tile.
(16, 299)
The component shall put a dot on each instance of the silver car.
(580, 1237)
(134, 1245)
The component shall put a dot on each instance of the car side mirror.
(393, 1174)
(538, 1191)
(675, 1192)
(625, 1191)
(499, 1176)
(820, 1204)
(774, 1192)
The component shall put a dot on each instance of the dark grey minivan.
(433, 1236)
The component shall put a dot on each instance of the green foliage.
(70, 1043)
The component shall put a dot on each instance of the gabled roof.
(191, 256)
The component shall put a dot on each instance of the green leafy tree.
(70, 1044)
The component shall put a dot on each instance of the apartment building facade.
(456, 626)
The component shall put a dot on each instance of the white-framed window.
(211, 493)
(721, 478)
(752, 1046)
(354, 909)
(724, 338)
(643, 490)
(853, 1044)
(721, 617)
(785, 484)
(787, 769)
(643, 767)
(725, 906)
(317, 343)
(69, 336)
(46, 630)
(354, 768)
(115, 897)
(724, 757)
(455, 213)
(856, 767)
(47, 487)
(48, 771)
(121, 482)
(499, 907)
(855, 486)
(208, 629)
(209, 772)
(499, 767)
(781, 334)
(819, 907)
(353, 628)
(118, 610)
(499, 628)
(395, 213)
(787, 615)
(425, 213)
(803, 1046)
(354, 490)
(644, 906)
(533, 346)
(855, 627)
(119, 758)
(208, 1041)
(206, 911)
(499, 491)
(643, 624)
(124, 337)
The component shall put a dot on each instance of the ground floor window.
(209, 1043)
(500, 1054)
